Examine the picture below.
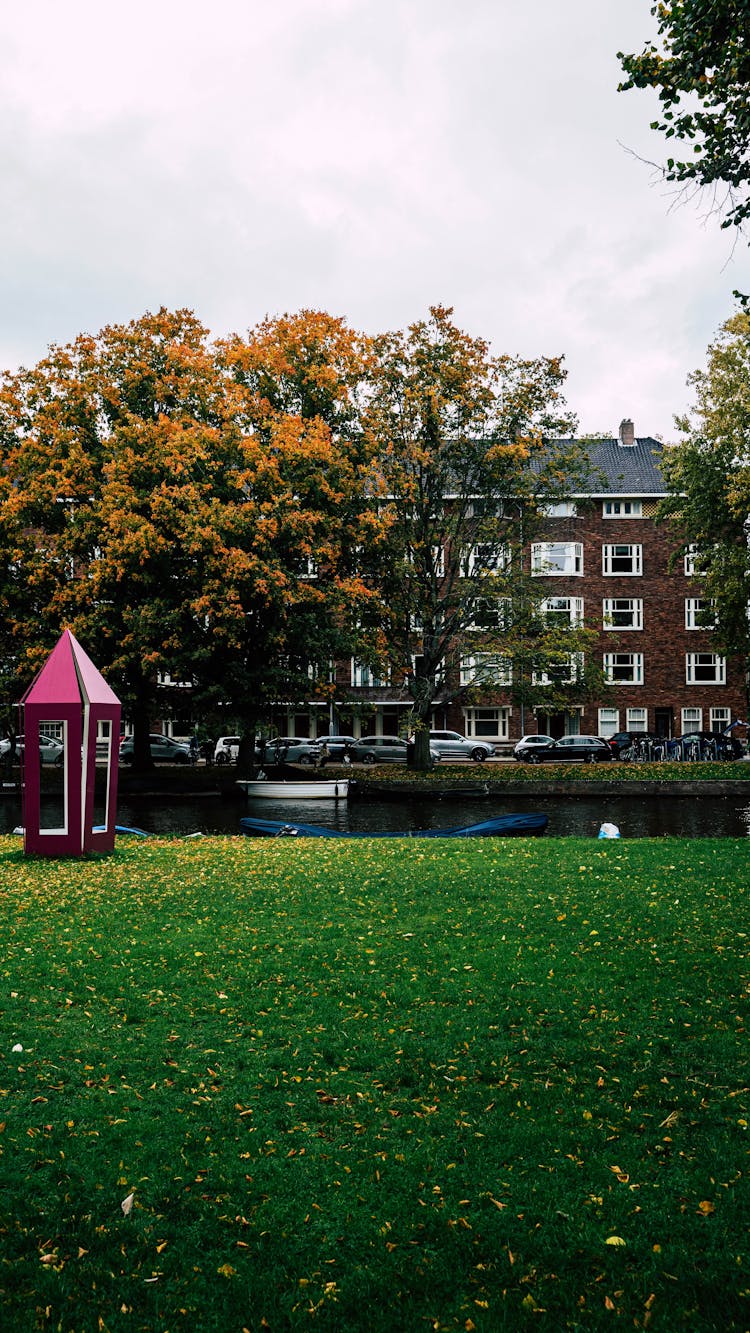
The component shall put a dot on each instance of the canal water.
(636, 817)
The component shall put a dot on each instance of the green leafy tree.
(700, 68)
(709, 478)
(464, 458)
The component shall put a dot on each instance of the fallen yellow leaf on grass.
(615, 1240)
(706, 1207)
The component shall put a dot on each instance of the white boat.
(269, 789)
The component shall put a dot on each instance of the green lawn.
(375, 1086)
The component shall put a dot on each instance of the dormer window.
(622, 509)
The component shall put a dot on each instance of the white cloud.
(371, 157)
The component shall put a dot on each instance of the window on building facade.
(487, 723)
(365, 677)
(700, 613)
(490, 613)
(692, 562)
(563, 670)
(622, 559)
(486, 669)
(622, 509)
(560, 509)
(609, 721)
(486, 558)
(692, 720)
(623, 613)
(173, 682)
(563, 610)
(437, 560)
(624, 668)
(637, 719)
(720, 719)
(555, 558)
(705, 669)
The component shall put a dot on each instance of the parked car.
(570, 749)
(226, 750)
(619, 743)
(451, 745)
(526, 743)
(163, 750)
(51, 750)
(384, 750)
(291, 750)
(337, 747)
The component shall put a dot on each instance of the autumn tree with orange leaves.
(186, 508)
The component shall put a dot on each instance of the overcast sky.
(366, 157)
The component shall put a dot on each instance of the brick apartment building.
(605, 562)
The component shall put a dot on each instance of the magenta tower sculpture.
(70, 699)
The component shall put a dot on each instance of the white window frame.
(637, 719)
(486, 669)
(575, 664)
(504, 607)
(609, 722)
(437, 557)
(556, 559)
(559, 509)
(691, 720)
(572, 607)
(478, 722)
(496, 562)
(720, 719)
(622, 509)
(616, 661)
(616, 606)
(698, 661)
(691, 569)
(613, 551)
(365, 677)
(695, 607)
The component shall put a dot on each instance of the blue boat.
(505, 826)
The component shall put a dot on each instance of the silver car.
(451, 745)
(383, 750)
(292, 750)
(163, 750)
(51, 750)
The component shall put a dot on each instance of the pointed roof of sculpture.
(69, 676)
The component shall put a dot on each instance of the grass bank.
(499, 777)
(280, 1085)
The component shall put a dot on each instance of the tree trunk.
(142, 761)
(418, 754)
(246, 765)
(141, 714)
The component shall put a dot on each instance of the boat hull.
(270, 789)
(505, 826)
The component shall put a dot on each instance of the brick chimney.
(627, 434)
